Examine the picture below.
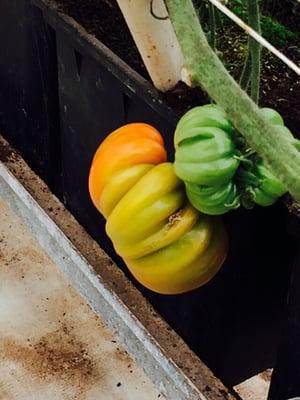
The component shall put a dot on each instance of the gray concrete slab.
(52, 345)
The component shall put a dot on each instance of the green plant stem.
(212, 23)
(255, 49)
(252, 65)
(251, 70)
(246, 73)
(207, 70)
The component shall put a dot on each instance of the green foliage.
(271, 29)
(275, 32)
(239, 7)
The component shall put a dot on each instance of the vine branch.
(255, 49)
(246, 73)
(252, 66)
(212, 23)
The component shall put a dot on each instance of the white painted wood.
(155, 39)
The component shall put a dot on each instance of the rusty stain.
(58, 355)
(266, 375)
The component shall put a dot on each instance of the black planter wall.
(29, 91)
(61, 93)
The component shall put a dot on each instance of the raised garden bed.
(280, 86)
(70, 92)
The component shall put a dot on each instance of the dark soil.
(287, 12)
(104, 19)
(280, 85)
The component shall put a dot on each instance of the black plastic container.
(74, 92)
(29, 111)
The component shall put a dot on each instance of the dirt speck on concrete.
(58, 355)
(266, 375)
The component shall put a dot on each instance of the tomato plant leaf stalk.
(252, 65)
(212, 25)
(205, 69)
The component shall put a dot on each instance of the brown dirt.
(280, 86)
(281, 89)
(5, 153)
(103, 19)
(57, 354)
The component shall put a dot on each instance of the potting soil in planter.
(280, 85)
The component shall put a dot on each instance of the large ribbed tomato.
(167, 245)
(206, 159)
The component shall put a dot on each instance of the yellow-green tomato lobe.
(166, 243)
